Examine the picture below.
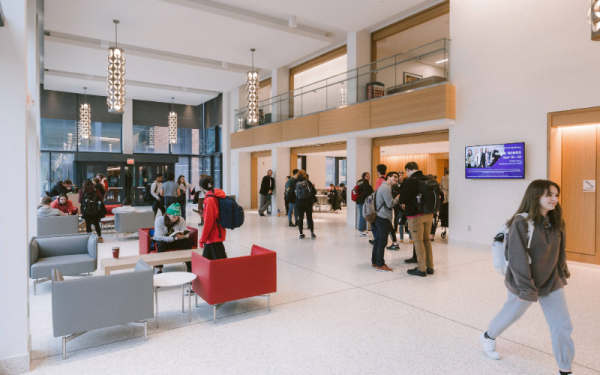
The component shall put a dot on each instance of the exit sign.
(130, 161)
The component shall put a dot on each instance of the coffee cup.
(115, 251)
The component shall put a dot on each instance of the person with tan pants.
(419, 224)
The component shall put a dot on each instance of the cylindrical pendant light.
(594, 19)
(85, 117)
(172, 125)
(252, 87)
(151, 137)
(116, 77)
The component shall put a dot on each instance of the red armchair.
(231, 279)
(146, 246)
(109, 208)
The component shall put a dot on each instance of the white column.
(359, 54)
(226, 128)
(127, 128)
(241, 163)
(358, 160)
(14, 234)
(280, 84)
(280, 164)
(34, 188)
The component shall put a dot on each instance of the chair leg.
(269, 301)
(145, 331)
(215, 314)
(67, 339)
(34, 287)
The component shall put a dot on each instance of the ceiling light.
(441, 61)
(85, 117)
(252, 94)
(116, 77)
(292, 22)
(172, 125)
(151, 137)
(343, 100)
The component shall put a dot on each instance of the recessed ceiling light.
(441, 61)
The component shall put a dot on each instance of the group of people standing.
(165, 194)
(481, 158)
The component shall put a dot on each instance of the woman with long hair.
(305, 193)
(364, 190)
(537, 271)
(182, 197)
(164, 228)
(91, 215)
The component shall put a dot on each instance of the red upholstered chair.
(109, 208)
(231, 279)
(146, 246)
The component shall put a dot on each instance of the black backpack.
(90, 204)
(303, 190)
(429, 198)
(148, 197)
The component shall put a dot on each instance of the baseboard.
(470, 245)
(15, 365)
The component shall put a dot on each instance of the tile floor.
(332, 314)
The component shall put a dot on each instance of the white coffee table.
(174, 279)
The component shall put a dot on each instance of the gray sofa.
(71, 254)
(53, 225)
(132, 222)
(84, 304)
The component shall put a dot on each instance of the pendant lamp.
(172, 125)
(151, 137)
(252, 94)
(85, 117)
(116, 77)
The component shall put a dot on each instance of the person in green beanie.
(164, 228)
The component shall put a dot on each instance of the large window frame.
(76, 141)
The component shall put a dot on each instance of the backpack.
(289, 195)
(500, 246)
(90, 204)
(303, 190)
(369, 208)
(231, 215)
(148, 197)
(428, 199)
(354, 194)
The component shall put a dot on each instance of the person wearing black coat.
(266, 191)
(364, 190)
(61, 187)
(305, 205)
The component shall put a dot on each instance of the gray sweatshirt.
(161, 231)
(384, 194)
(46, 211)
(548, 270)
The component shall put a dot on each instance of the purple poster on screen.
(495, 161)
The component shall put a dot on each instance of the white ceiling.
(194, 49)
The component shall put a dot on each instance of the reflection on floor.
(332, 314)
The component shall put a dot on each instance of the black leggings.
(394, 228)
(302, 209)
(182, 244)
(88, 225)
(214, 251)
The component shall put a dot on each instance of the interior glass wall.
(105, 137)
(150, 139)
(58, 135)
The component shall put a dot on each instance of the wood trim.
(375, 161)
(343, 120)
(261, 154)
(575, 117)
(266, 134)
(241, 139)
(254, 183)
(300, 128)
(338, 146)
(321, 59)
(264, 83)
(293, 162)
(414, 138)
(411, 21)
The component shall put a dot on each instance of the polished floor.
(332, 314)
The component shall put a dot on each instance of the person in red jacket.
(213, 235)
(64, 204)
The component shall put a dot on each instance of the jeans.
(295, 210)
(362, 224)
(382, 227)
(93, 220)
(265, 202)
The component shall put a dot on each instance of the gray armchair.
(70, 254)
(88, 303)
(132, 222)
(54, 225)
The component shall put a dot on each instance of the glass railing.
(422, 66)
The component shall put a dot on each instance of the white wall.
(511, 67)
(316, 167)
(262, 166)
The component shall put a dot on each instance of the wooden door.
(579, 160)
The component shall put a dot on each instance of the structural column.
(358, 160)
(14, 233)
(358, 55)
(280, 84)
(280, 164)
(240, 169)
(226, 129)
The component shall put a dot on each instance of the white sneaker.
(363, 234)
(489, 347)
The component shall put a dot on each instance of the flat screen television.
(499, 161)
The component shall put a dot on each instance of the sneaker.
(189, 292)
(393, 247)
(373, 265)
(312, 235)
(429, 271)
(411, 260)
(363, 234)
(372, 242)
(489, 347)
(100, 240)
(302, 236)
(415, 272)
(291, 224)
(384, 268)
(261, 214)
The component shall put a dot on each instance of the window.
(335, 171)
(45, 172)
(58, 135)
(217, 171)
(182, 167)
(210, 140)
(188, 142)
(105, 137)
(150, 139)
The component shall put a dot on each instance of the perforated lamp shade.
(252, 87)
(116, 80)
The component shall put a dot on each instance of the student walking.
(290, 193)
(364, 190)
(213, 234)
(537, 271)
(92, 208)
(267, 186)
(384, 203)
(305, 195)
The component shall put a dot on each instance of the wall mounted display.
(495, 161)
(411, 77)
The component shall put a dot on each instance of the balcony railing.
(422, 66)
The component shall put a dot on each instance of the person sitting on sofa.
(64, 204)
(125, 208)
(165, 226)
(46, 210)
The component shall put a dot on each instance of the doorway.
(145, 174)
(117, 174)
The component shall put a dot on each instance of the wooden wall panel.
(293, 162)
(426, 162)
(254, 183)
(261, 154)
(343, 120)
(420, 105)
(414, 138)
(266, 134)
(578, 164)
(241, 139)
(300, 128)
(577, 117)
(338, 146)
